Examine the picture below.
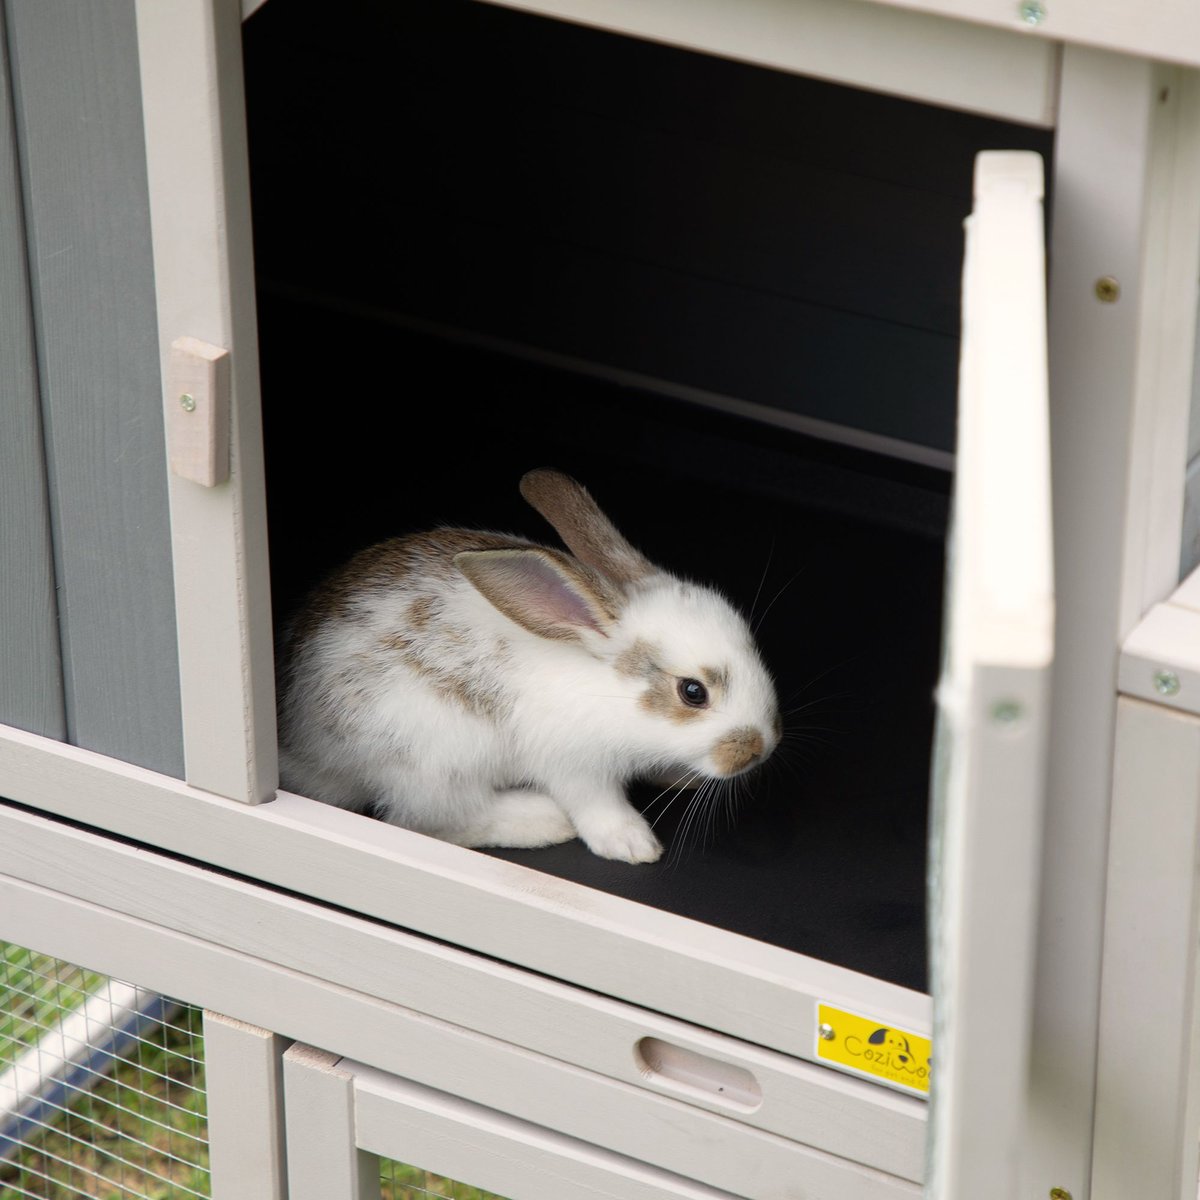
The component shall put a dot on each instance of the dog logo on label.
(882, 1052)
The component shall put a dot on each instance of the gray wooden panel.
(30, 671)
(79, 130)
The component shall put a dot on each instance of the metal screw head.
(825, 1032)
(1007, 711)
(187, 402)
(1059, 1194)
(1108, 290)
(1166, 682)
(1032, 12)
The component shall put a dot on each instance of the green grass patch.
(402, 1182)
(139, 1133)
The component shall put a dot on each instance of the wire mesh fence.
(398, 1181)
(101, 1087)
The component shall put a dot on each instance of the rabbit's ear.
(544, 592)
(588, 533)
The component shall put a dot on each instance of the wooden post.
(244, 1081)
(324, 1161)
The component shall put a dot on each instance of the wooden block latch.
(198, 407)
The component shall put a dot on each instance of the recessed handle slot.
(697, 1074)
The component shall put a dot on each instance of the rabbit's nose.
(738, 750)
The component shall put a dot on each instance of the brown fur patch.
(588, 533)
(423, 610)
(464, 688)
(383, 566)
(662, 699)
(737, 750)
(638, 661)
(715, 677)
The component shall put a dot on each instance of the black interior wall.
(449, 166)
(692, 219)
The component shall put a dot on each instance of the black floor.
(374, 431)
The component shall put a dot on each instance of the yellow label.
(869, 1048)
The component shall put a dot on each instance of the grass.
(402, 1182)
(139, 1133)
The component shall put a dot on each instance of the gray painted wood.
(77, 103)
(1189, 557)
(31, 695)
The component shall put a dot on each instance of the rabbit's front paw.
(521, 819)
(627, 839)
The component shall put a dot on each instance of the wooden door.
(989, 771)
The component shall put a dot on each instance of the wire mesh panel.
(101, 1087)
(399, 1181)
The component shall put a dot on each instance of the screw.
(1166, 683)
(1108, 289)
(187, 402)
(825, 1032)
(1006, 711)
(1032, 12)
(1059, 1194)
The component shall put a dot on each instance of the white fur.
(564, 732)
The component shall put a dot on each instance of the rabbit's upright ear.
(542, 591)
(588, 533)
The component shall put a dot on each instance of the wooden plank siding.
(31, 694)
(79, 133)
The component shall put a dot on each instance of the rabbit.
(490, 691)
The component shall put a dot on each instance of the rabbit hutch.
(286, 279)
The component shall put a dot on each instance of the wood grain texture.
(488, 1149)
(613, 946)
(1109, 109)
(243, 1082)
(905, 54)
(79, 128)
(799, 1101)
(31, 695)
(190, 65)
(1146, 1085)
(535, 1088)
(323, 1159)
(1154, 29)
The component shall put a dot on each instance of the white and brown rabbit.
(493, 692)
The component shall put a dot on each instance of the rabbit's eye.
(693, 692)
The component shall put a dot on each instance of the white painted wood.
(487, 1149)
(1169, 265)
(884, 50)
(324, 1162)
(198, 421)
(1187, 595)
(243, 1081)
(1108, 107)
(663, 962)
(1166, 640)
(191, 72)
(799, 1100)
(663, 1133)
(1148, 1057)
(1162, 29)
(990, 774)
